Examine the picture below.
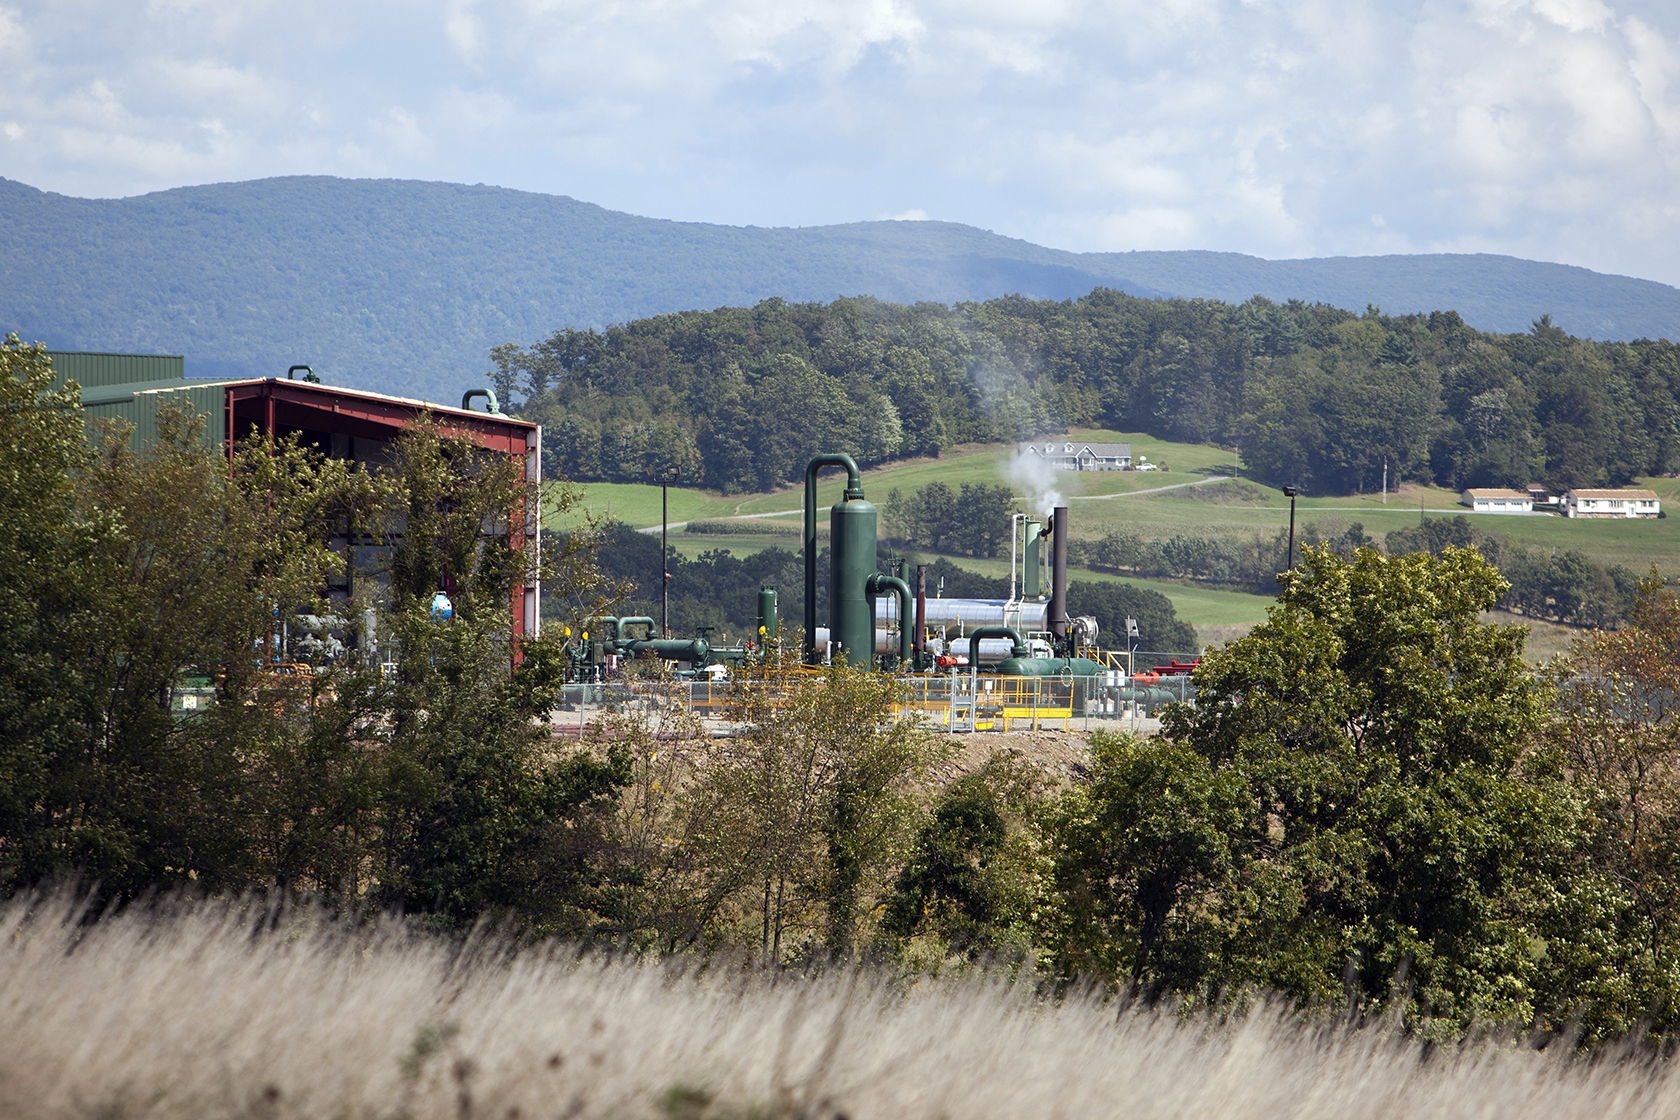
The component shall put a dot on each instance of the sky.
(1547, 129)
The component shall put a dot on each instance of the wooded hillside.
(737, 399)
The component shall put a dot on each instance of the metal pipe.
(652, 626)
(1020, 648)
(489, 395)
(873, 588)
(854, 482)
(1015, 520)
(1058, 574)
(921, 617)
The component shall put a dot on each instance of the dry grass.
(224, 1011)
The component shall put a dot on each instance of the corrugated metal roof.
(90, 369)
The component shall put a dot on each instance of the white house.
(1498, 501)
(1610, 503)
(1067, 455)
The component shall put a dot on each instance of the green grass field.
(1138, 501)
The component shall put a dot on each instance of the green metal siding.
(92, 370)
(140, 409)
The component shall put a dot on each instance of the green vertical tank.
(851, 542)
(1032, 565)
(767, 621)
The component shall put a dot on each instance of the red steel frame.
(272, 404)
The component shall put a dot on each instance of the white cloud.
(1547, 128)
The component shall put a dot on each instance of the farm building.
(1069, 455)
(1610, 503)
(1498, 501)
(340, 423)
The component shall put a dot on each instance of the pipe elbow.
(854, 477)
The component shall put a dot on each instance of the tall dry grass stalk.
(228, 1010)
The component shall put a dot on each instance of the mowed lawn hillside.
(1184, 498)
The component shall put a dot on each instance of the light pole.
(666, 477)
(1131, 667)
(1290, 492)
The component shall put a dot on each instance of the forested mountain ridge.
(404, 286)
(738, 399)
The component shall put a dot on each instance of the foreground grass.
(230, 1011)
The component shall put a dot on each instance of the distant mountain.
(405, 286)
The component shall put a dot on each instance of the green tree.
(974, 873)
(1350, 808)
(1615, 944)
(473, 799)
(811, 808)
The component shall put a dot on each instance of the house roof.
(1523, 494)
(1596, 494)
(1075, 447)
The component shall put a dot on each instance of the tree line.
(739, 398)
(1568, 587)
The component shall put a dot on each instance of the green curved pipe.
(906, 635)
(652, 626)
(854, 489)
(1009, 632)
(489, 395)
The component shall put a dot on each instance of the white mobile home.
(1498, 501)
(1610, 503)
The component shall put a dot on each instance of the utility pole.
(1290, 492)
(1385, 480)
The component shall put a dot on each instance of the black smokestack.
(1058, 574)
(921, 615)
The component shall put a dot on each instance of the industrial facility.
(971, 664)
(337, 422)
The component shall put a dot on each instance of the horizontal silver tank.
(886, 642)
(966, 614)
(991, 649)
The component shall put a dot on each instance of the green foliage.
(1615, 944)
(738, 398)
(1567, 586)
(972, 521)
(809, 811)
(973, 876)
(433, 788)
(1348, 811)
(1251, 562)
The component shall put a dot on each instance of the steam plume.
(1034, 478)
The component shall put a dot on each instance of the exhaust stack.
(921, 617)
(1058, 575)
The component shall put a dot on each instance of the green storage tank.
(851, 611)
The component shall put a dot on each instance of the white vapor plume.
(1035, 479)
